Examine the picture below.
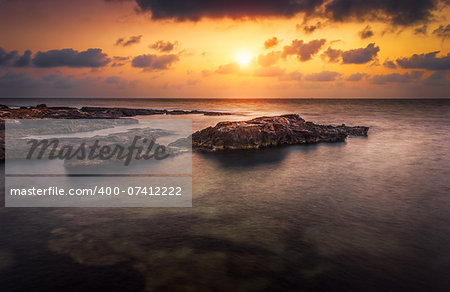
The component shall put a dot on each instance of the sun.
(243, 58)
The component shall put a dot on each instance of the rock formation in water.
(269, 132)
(41, 111)
(252, 134)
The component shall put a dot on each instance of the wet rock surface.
(265, 132)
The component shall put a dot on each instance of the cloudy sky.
(234, 48)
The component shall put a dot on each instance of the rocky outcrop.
(42, 111)
(129, 112)
(122, 112)
(268, 132)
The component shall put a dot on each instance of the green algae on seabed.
(179, 249)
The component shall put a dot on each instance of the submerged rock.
(269, 132)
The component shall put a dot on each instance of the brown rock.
(269, 132)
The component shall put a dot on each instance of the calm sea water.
(371, 214)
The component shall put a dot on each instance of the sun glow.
(243, 58)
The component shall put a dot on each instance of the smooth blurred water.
(371, 214)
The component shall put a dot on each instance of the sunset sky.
(175, 48)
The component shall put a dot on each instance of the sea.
(368, 214)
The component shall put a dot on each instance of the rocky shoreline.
(42, 111)
(256, 133)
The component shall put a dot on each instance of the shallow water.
(371, 214)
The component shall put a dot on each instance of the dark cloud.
(24, 60)
(396, 77)
(309, 29)
(119, 41)
(60, 82)
(421, 30)
(131, 41)
(442, 31)
(119, 82)
(323, 76)
(272, 42)
(303, 51)
(437, 78)
(17, 80)
(13, 59)
(7, 58)
(425, 61)
(332, 55)
(398, 12)
(416, 74)
(357, 77)
(438, 75)
(227, 68)
(93, 58)
(366, 33)
(361, 55)
(154, 62)
(119, 61)
(164, 47)
(355, 56)
(389, 64)
(197, 9)
(268, 59)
